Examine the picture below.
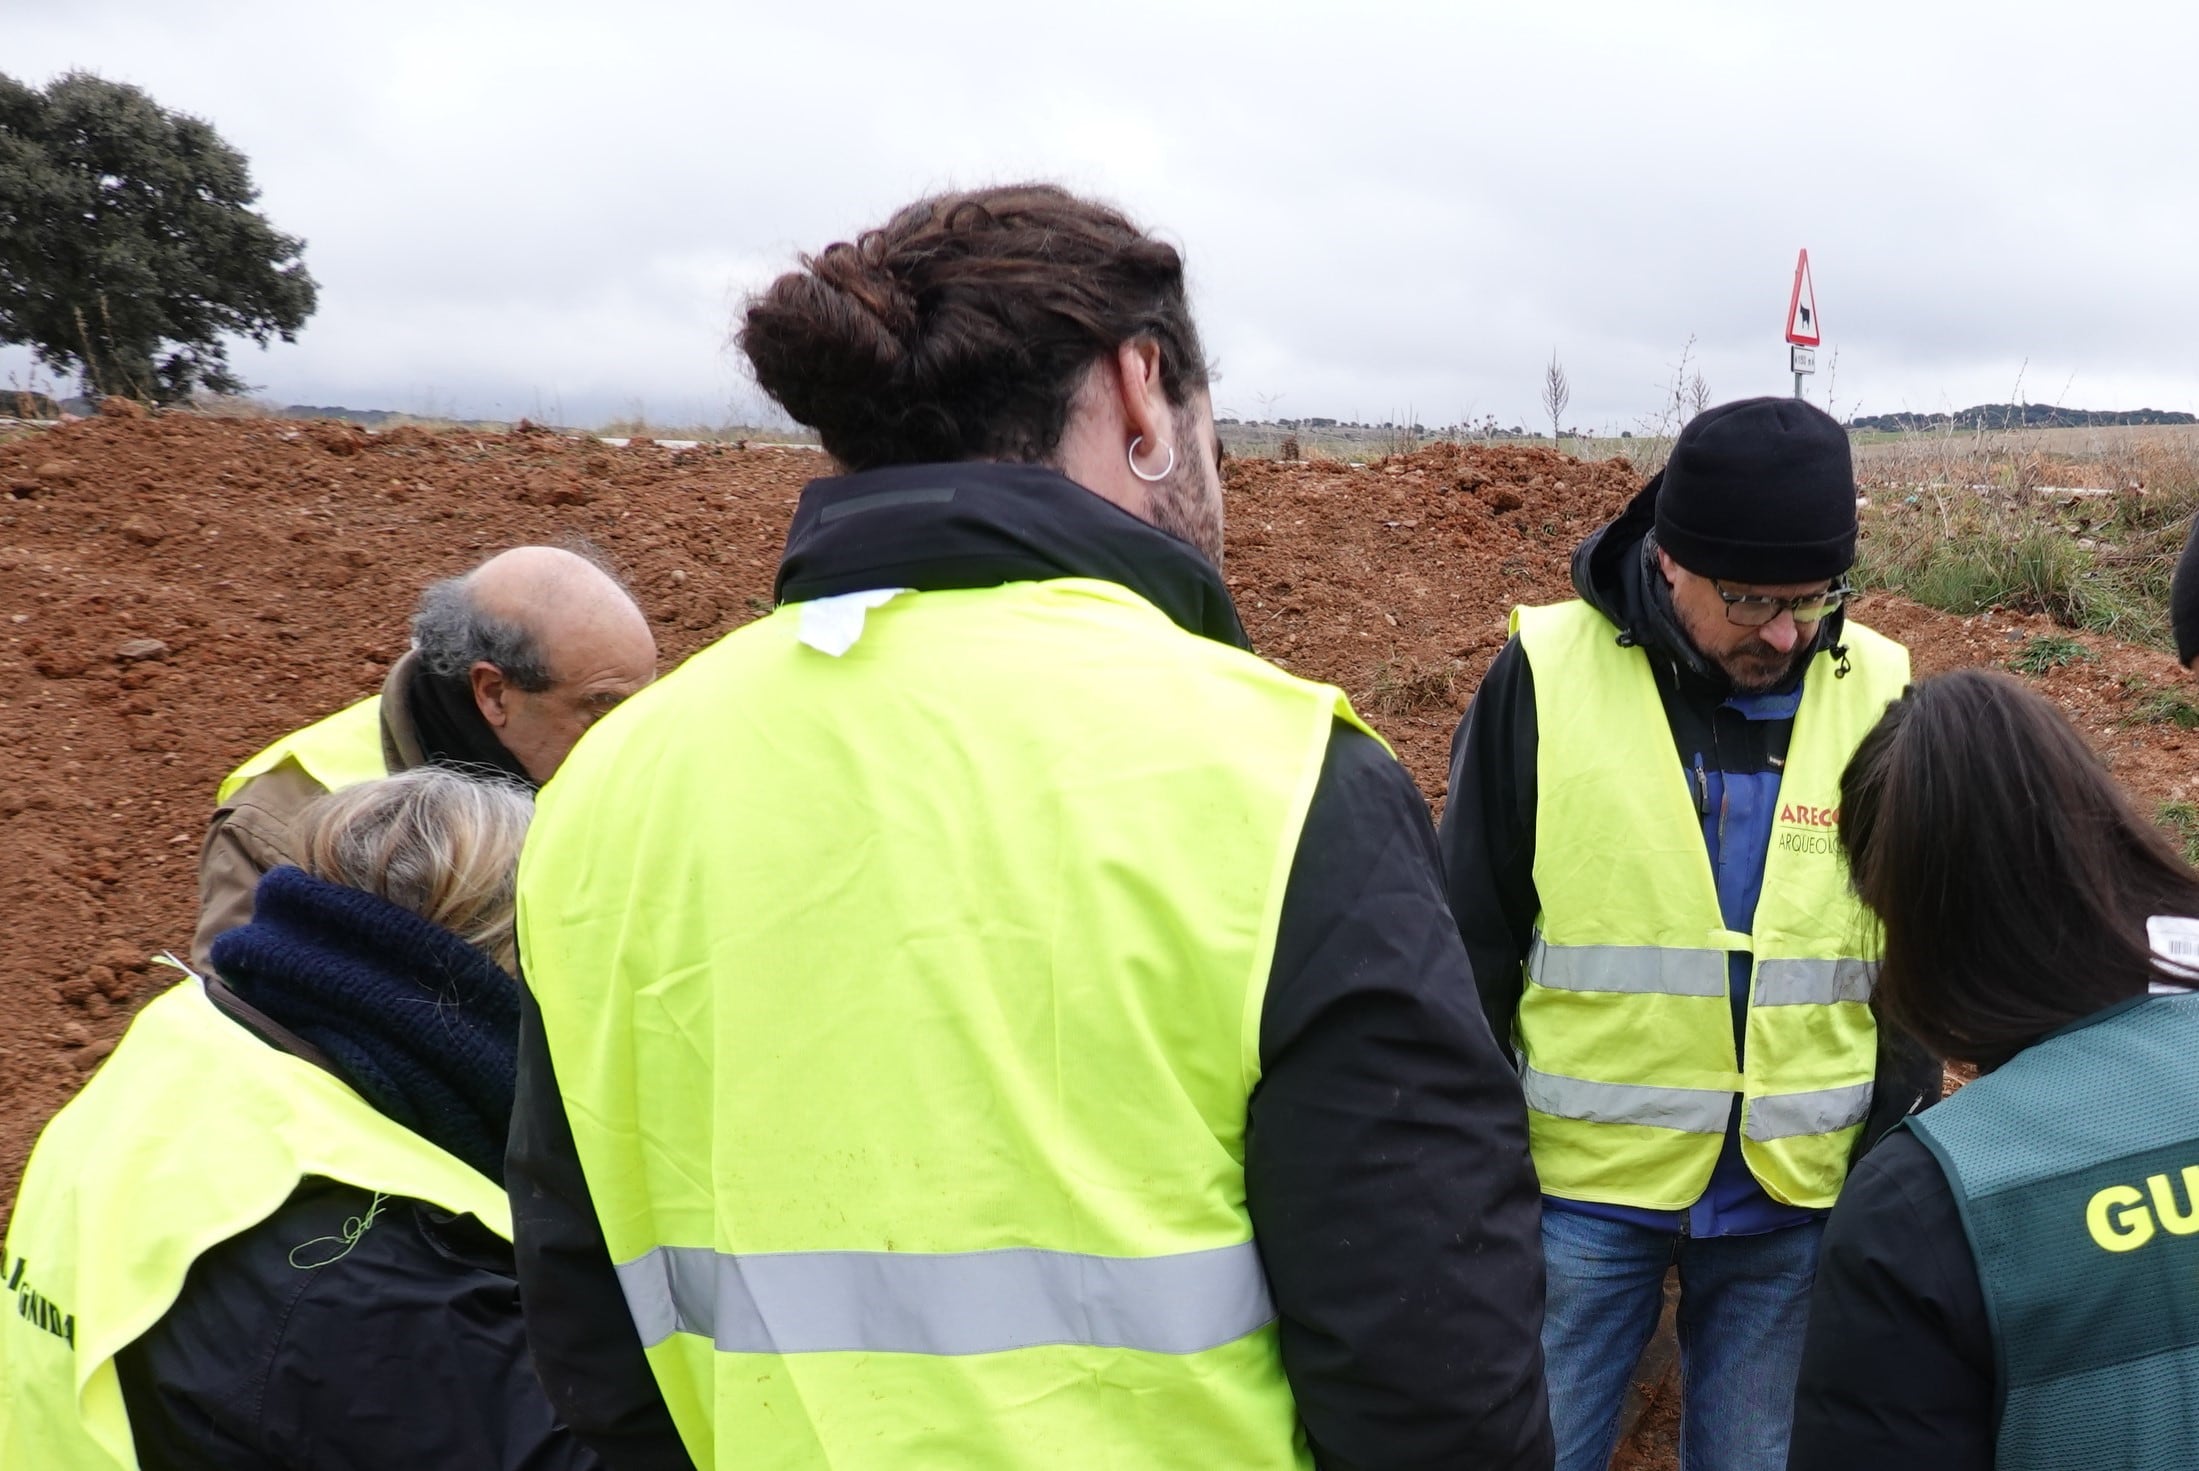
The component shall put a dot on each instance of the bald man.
(509, 665)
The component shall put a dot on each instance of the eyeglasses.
(1752, 610)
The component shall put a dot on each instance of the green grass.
(2160, 705)
(2048, 651)
(2182, 821)
(2039, 569)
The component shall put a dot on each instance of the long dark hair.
(962, 328)
(2010, 875)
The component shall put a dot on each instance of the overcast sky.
(553, 209)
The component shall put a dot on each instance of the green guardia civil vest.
(340, 751)
(905, 1005)
(191, 1133)
(1625, 1030)
(2076, 1169)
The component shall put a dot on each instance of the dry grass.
(1410, 687)
(641, 426)
(2082, 525)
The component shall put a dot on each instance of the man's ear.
(1144, 401)
(489, 689)
(1666, 565)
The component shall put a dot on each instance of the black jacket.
(1897, 1370)
(1386, 1166)
(1488, 835)
(405, 1350)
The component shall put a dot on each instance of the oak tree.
(129, 248)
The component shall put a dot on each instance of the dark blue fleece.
(424, 1025)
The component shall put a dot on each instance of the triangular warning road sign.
(1802, 328)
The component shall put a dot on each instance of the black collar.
(939, 528)
(453, 732)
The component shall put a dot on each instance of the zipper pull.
(1702, 787)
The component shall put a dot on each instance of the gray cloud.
(554, 210)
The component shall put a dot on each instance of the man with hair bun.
(983, 1015)
(509, 664)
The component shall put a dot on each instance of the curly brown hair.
(963, 327)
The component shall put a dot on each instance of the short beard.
(1754, 682)
(1181, 503)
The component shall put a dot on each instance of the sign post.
(1803, 333)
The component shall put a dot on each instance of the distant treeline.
(377, 418)
(371, 418)
(29, 405)
(2019, 416)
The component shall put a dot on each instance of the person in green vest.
(270, 1230)
(982, 1014)
(1639, 846)
(509, 664)
(2012, 1279)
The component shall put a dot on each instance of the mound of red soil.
(1397, 581)
(179, 591)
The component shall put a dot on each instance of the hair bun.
(820, 344)
(861, 273)
(964, 326)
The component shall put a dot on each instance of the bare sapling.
(1555, 396)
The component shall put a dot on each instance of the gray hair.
(442, 845)
(453, 633)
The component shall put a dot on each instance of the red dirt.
(1396, 582)
(179, 591)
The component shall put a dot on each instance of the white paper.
(834, 625)
(2175, 942)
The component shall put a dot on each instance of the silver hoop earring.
(1162, 474)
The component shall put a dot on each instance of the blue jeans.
(1744, 1301)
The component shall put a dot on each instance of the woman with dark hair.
(270, 1234)
(2012, 1279)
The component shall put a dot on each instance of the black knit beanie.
(2183, 598)
(1760, 490)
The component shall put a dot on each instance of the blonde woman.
(271, 1232)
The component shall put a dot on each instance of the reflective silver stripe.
(1814, 982)
(1790, 1115)
(1650, 969)
(1690, 1110)
(976, 1302)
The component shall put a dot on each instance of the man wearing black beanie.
(1642, 861)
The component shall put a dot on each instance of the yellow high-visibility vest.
(1625, 1030)
(340, 751)
(906, 1005)
(193, 1132)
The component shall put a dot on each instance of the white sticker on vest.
(833, 625)
(2175, 942)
